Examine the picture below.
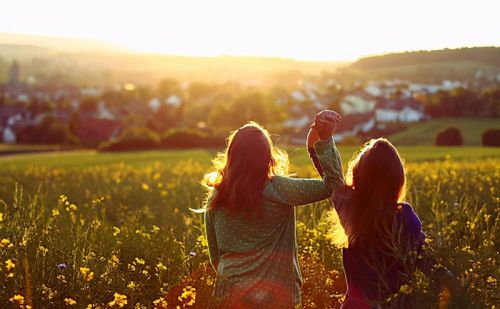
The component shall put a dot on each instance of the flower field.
(89, 230)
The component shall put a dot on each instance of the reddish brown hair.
(375, 184)
(242, 171)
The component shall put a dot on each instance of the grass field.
(424, 133)
(298, 156)
(114, 229)
(14, 148)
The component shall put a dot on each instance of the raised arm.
(296, 191)
(301, 191)
(318, 129)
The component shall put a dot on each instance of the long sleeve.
(213, 249)
(315, 160)
(301, 191)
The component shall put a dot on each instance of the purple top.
(373, 274)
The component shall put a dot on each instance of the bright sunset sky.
(310, 30)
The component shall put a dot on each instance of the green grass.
(298, 156)
(424, 133)
(20, 147)
(99, 211)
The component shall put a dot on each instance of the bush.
(491, 138)
(449, 137)
(190, 138)
(138, 138)
(49, 131)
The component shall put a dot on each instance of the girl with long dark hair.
(382, 236)
(250, 216)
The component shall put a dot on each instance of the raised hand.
(324, 123)
(327, 115)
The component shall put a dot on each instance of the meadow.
(97, 230)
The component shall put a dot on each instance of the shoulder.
(282, 181)
(342, 196)
(276, 184)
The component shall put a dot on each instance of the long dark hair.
(375, 183)
(249, 161)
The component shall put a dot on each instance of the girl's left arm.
(429, 265)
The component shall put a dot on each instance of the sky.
(305, 30)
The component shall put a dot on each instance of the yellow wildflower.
(188, 296)
(160, 303)
(405, 289)
(160, 266)
(155, 229)
(140, 261)
(1, 217)
(116, 231)
(72, 207)
(131, 285)
(69, 301)
(9, 265)
(114, 260)
(55, 213)
(63, 198)
(86, 273)
(145, 186)
(18, 299)
(119, 301)
(43, 250)
(5, 243)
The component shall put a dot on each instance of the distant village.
(376, 105)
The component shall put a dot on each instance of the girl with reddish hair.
(250, 216)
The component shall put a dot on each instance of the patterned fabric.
(256, 257)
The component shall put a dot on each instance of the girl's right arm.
(213, 249)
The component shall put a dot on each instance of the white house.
(154, 104)
(8, 136)
(386, 115)
(103, 112)
(373, 90)
(297, 123)
(361, 127)
(356, 104)
(91, 92)
(298, 95)
(408, 114)
(414, 87)
(174, 100)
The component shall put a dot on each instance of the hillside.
(92, 62)
(485, 55)
(425, 132)
(430, 66)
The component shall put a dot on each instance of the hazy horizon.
(95, 45)
(312, 31)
